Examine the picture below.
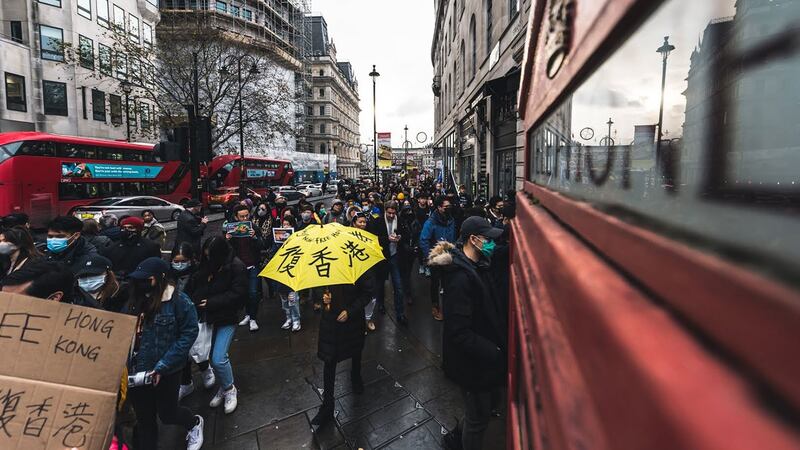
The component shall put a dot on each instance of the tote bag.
(202, 345)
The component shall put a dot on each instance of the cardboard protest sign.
(60, 369)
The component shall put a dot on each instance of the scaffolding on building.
(277, 29)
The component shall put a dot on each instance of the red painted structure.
(621, 338)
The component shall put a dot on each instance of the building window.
(55, 98)
(131, 112)
(104, 55)
(51, 41)
(51, 2)
(85, 8)
(235, 10)
(322, 148)
(488, 26)
(463, 63)
(115, 107)
(513, 7)
(474, 42)
(119, 18)
(15, 93)
(322, 110)
(16, 31)
(222, 6)
(98, 105)
(86, 52)
(102, 13)
(321, 72)
(322, 128)
(133, 28)
(121, 64)
(136, 71)
(144, 112)
(147, 34)
(248, 15)
(322, 92)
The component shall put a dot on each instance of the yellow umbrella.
(324, 255)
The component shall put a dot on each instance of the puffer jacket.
(165, 341)
(474, 348)
(436, 229)
(226, 293)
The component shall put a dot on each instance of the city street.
(406, 403)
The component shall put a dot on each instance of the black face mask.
(129, 235)
(143, 287)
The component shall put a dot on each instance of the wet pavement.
(407, 402)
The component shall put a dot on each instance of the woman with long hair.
(165, 331)
(16, 249)
(219, 289)
(98, 287)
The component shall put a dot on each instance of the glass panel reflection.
(691, 124)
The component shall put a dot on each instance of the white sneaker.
(296, 326)
(286, 325)
(194, 438)
(217, 399)
(208, 378)
(244, 321)
(253, 325)
(230, 400)
(185, 390)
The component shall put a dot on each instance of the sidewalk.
(407, 399)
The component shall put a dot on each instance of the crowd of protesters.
(459, 242)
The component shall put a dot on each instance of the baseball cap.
(150, 267)
(95, 265)
(480, 226)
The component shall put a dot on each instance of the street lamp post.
(405, 153)
(609, 123)
(664, 50)
(374, 74)
(127, 89)
(253, 70)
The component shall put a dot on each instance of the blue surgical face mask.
(57, 245)
(180, 266)
(92, 284)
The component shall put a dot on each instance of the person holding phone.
(393, 236)
(165, 331)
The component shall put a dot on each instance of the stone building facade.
(477, 52)
(42, 90)
(333, 107)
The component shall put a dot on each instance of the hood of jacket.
(448, 256)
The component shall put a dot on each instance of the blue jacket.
(436, 229)
(167, 339)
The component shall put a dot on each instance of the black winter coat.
(342, 340)
(189, 229)
(226, 292)
(125, 255)
(75, 256)
(474, 349)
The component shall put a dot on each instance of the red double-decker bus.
(45, 175)
(225, 171)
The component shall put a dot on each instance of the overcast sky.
(396, 37)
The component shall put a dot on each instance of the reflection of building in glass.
(760, 98)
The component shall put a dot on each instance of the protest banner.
(60, 370)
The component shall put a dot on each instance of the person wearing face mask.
(165, 331)
(495, 211)
(43, 279)
(248, 250)
(474, 351)
(131, 249)
(98, 286)
(307, 217)
(336, 214)
(440, 226)
(280, 206)
(153, 230)
(16, 250)
(65, 243)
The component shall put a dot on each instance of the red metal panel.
(614, 369)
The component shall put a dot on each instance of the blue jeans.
(291, 306)
(397, 284)
(254, 299)
(223, 335)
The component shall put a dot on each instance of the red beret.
(137, 222)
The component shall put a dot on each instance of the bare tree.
(162, 73)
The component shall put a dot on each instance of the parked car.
(331, 189)
(309, 190)
(129, 206)
(289, 192)
(223, 195)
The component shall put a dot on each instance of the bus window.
(37, 148)
(9, 150)
(134, 156)
(67, 150)
(90, 152)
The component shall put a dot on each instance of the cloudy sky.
(396, 37)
